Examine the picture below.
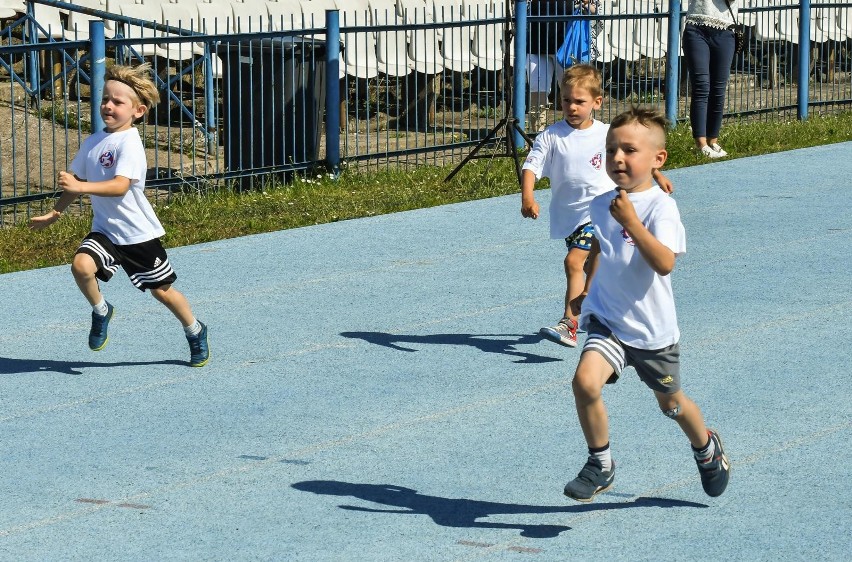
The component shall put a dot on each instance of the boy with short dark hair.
(111, 167)
(629, 309)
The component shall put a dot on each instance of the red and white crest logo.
(107, 159)
(597, 161)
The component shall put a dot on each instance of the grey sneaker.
(591, 481)
(564, 333)
(716, 472)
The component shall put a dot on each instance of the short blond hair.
(583, 76)
(648, 117)
(140, 79)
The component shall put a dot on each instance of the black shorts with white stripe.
(146, 263)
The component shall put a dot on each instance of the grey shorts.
(659, 369)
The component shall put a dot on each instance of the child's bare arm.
(47, 219)
(529, 206)
(656, 254)
(664, 182)
(116, 187)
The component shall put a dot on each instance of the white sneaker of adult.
(708, 151)
(715, 146)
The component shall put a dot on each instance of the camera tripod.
(509, 123)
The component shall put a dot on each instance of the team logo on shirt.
(107, 159)
(597, 161)
(627, 237)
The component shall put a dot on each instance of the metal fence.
(256, 91)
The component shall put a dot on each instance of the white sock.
(706, 453)
(101, 308)
(604, 456)
(193, 328)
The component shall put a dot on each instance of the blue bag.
(577, 45)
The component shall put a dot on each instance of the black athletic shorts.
(146, 263)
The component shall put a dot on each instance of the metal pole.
(332, 90)
(520, 77)
(804, 57)
(673, 63)
(33, 55)
(98, 55)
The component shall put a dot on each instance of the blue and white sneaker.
(98, 334)
(199, 352)
(716, 472)
(591, 481)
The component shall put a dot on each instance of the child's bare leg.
(175, 302)
(84, 268)
(598, 473)
(687, 415)
(589, 380)
(575, 262)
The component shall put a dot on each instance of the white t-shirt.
(626, 295)
(575, 162)
(128, 219)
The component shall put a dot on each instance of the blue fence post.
(332, 90)
(32, 56)
(209, 102)
(98, 56)
(673, 63)
(520, 78)
(804, 57)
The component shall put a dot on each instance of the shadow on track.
(489, 343)
(10, 366)
(460, 512)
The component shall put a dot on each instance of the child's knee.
(586, 386)
(83, 265)
(575, 262)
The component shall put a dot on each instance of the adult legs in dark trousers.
(708, 53)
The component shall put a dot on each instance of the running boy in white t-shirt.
(111, 167)
(629, 311)
(571, 153)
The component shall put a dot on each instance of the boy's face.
(119, 106)
(633, 152)
(577, 106)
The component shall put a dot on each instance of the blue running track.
(377, 391)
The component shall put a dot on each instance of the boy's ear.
(139, 111)
(660, 158)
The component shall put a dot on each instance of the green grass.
(191, 219)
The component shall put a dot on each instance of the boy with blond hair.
(629, 309)
(110, 168)
(571, 153)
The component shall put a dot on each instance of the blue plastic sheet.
(576, 46)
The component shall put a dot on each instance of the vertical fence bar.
(332, 90)
(673, 63)
(520, 78)
(98, 55)
(803, 90)
(33, 55)
(210, 101)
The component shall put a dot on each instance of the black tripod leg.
(491, 134)
(513, 149)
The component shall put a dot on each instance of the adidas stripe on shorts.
(659, 369)
(146, 263)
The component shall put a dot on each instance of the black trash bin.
(273, 97)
